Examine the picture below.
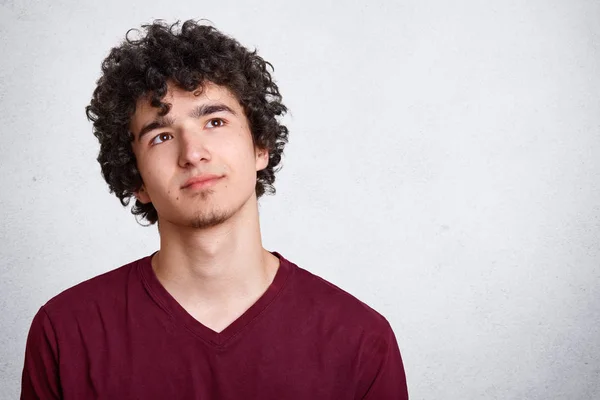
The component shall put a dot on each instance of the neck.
(223, 264)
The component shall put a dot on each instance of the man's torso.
(121, 335)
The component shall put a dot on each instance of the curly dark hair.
(189, 57)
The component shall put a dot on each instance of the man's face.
(203, 136)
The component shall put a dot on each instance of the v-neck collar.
(218, 339)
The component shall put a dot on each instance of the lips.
(198, 180)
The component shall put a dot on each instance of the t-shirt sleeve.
(40, 372)
(382, 375)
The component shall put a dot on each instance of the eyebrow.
(198, 112)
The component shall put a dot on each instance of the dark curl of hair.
(189, 57)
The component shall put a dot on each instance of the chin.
(205, 220)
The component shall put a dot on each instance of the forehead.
(181, 100)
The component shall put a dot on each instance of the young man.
(188, 125)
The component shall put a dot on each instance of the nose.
(192, 147)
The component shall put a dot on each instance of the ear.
(142, 195)
(262, 159)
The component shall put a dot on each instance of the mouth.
(201, 182)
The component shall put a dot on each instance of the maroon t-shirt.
(121, 335)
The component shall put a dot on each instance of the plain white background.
(443, 167)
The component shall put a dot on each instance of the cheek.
(154, 171)
(240, 164)
(147, 173)
(238, 152)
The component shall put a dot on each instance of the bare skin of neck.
(216, 274)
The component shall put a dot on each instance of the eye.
(215, 123)
(158, 139)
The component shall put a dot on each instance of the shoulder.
(344, 310)
(104, 289)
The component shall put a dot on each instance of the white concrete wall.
(443, 166)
